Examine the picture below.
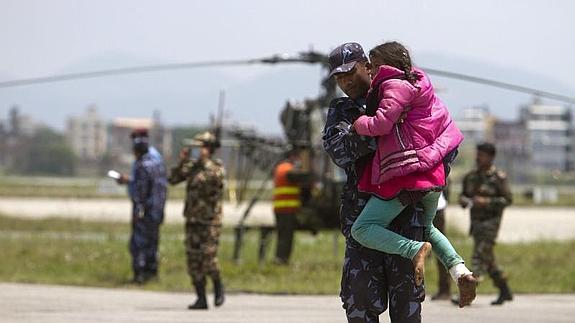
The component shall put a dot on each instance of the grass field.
(71, 252)
(87, 188)
(82, 188)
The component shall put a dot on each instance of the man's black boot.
(219, 296)
(201, 303)
(500, 281)
(504, 294)
(139, 278)
(151, 275)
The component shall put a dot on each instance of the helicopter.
(302, 125)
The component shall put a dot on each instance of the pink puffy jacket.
(418, 142)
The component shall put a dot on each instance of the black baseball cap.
(344, 57)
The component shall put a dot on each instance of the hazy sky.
(42, 38)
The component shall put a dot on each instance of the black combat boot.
(504, 294)
(218, 292)
(500, 282)
(201, 303)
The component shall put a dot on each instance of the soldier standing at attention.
(204, 178)
(147, 189)
(487, 192)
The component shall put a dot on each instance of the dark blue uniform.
(370, 279)
(148, 193)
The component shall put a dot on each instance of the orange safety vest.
(286, 194)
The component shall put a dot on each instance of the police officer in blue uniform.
(147, 187)
(371, 281)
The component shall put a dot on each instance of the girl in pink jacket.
(415, 133)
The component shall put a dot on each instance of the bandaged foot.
(467, 285)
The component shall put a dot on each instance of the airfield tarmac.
(56, 304)
(50, 304)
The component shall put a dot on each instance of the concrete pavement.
(56, 304)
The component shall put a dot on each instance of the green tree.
(45, 153)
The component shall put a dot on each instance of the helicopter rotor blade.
(504, 85)
(305, 57)
(309, 57)
(124, 71)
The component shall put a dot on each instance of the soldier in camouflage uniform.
(203, 215)
(370, 279)
(487, 192)
(147, 189)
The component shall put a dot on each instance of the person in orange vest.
(287, 202)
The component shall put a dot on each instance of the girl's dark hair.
(396, 55)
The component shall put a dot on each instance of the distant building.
(120, 145)
(161, 136)
(476, 124)
(513, 154)
(87, 135)
(549, 136)
(541, 141)
(3, 143)
(20, 125)
(13, 132)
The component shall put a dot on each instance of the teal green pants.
(370, 229)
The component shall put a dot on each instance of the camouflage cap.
(205, 139)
